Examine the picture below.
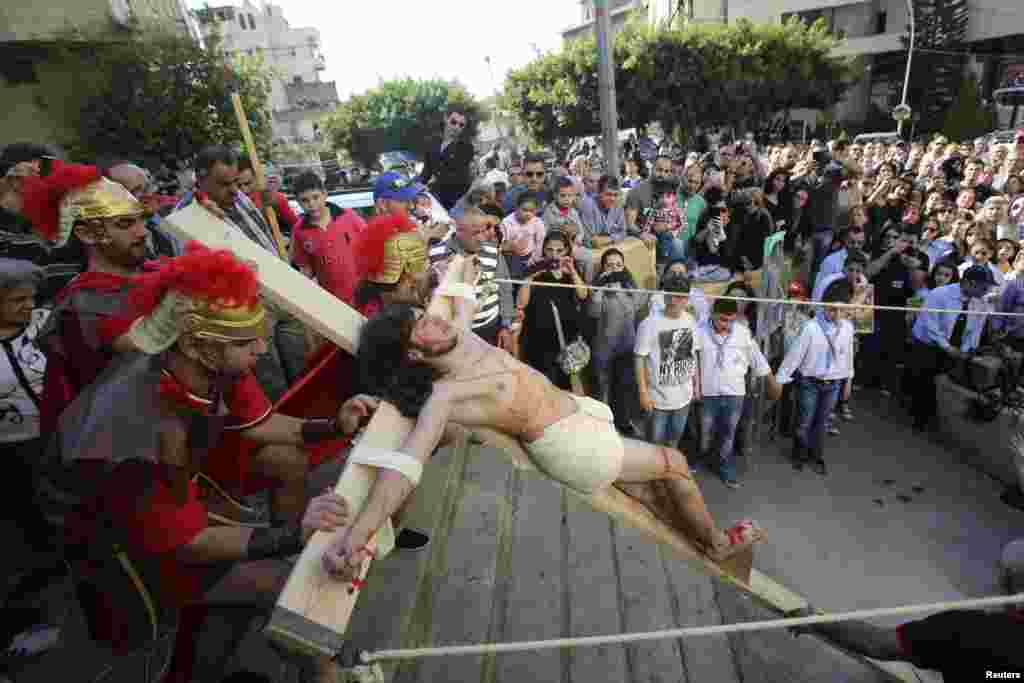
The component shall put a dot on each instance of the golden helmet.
(225, 324)
(100, 200)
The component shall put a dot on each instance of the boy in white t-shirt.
(725, 351)
(666, 364)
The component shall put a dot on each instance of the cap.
(395, 186)
(980, 274)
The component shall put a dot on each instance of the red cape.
(329, 381)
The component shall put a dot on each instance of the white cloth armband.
(461, 290)
(406, 465)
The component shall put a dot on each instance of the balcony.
(871, 45)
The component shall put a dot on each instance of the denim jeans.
(719, 417)
(816, 400)
(666, 427)
(670, 248)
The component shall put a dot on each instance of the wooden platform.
(514, 557)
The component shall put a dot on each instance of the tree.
(968, 118)
(699, 75)
(160, 97)
(935, 77)
(399, 115)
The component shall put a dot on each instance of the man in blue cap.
(940, 339)
(394, 193)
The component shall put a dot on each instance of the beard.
(438, 351)
(126, 257)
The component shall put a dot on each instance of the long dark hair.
(385, 369)
(626, 277)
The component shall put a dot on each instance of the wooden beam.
(314, 615)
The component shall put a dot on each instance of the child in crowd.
(1006, 252)
(823, 354)
(666, 365)
(563, 216)
(699, 307)
(726, 350)
(523, 234)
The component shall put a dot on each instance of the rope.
(586, 641)
(791, 302)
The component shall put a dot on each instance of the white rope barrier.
(620, 638)
(791, 302)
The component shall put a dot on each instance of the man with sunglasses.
(533, 176)
(447, 169)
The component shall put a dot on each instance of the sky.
(368, 40)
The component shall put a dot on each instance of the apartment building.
(32, 82)
(298, 98)
(870, 28)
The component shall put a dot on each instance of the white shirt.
(698, 302)
(671, 361)
(811, 353)
(19, 390)
(726, 375)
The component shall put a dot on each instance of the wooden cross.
(313, 610)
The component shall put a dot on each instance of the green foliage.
(681, 78)
(935, 78)
(402, 114)
(159, 96)
(967, 118)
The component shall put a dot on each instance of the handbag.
(574, 357)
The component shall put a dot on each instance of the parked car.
(886, 138)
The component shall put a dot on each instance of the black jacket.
(448, 173)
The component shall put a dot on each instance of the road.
(899, 519)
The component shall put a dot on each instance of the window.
(241, 20)
(252, 23)
(880, 22)
(294, 53)
(18, 71)
(297, 80)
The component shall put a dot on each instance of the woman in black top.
(540, 334)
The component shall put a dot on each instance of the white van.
(885, 138)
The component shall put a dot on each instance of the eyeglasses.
(534, 174)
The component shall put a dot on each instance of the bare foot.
(737, 539)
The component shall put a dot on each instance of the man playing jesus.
(438, 372)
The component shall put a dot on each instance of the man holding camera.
(823, 175)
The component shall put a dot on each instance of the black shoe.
(1013, 497)
(410, 539)
(818, 466)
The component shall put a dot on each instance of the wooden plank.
(464, 591)
(313, 610)
(646, 606)
(339, 323)
(593, 595)
(693, 604)
(282, 284)
(533, 603)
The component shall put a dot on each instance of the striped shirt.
(492, 299)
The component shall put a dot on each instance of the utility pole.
(904, 109)
(725, 11)
(606, 87)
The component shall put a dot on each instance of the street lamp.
(904, 108)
